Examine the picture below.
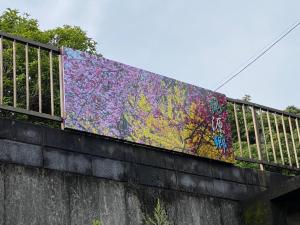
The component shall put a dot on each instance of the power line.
(265, 50)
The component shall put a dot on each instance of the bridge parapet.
(261, 135)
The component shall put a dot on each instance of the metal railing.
(28, 70)
(31, 83)
(263, 135)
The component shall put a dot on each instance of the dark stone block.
(229, 190)
(149, 156)
(16, 152)
(65, 140)
(67, 161)
(273, 179)
(155, 177)
(192, 165)
(111, 169)
(28, 133)
(194, 183)
(6, 129)
(251, 177)
(104, 147)
(254, 190)
(270, 179)
(225, 171)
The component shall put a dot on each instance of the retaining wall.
(50, 176)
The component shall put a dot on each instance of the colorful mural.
(113, 99)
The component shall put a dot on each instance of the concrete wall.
(49, 176)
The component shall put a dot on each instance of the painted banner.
(113, 99)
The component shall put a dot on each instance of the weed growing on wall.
(159, 216)
(96, 222)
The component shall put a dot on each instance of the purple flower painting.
(109, 98)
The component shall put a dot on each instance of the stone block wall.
(50, 176)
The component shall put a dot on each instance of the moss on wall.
(258, 213)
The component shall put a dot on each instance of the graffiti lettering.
(217, 125)
(220, 142)
(214, 105)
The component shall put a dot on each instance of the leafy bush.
(96, 222)
(159, 216)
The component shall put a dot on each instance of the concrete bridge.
(61, 176)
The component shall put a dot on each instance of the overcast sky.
(199, 42)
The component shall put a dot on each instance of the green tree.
(293, 109)
(13, 22)
(16, 23)
(247, 98)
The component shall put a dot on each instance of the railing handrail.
(29, 42)
(266, 108)
(31, 113)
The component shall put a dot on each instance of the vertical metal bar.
(14, 75)
(286, 141)
(1, 70)
(293, 142)
(246, 130)
(39, 80)
(298, 131)
(237, 128)
(278, 138)
(27, 76)
(61, 87)
(257, 139)
(51, 83)
(264, 134)
(271, 137)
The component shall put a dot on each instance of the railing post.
(278, 138)
(286, 140)
(14, 75)
(246, 130)
(39, 80)
(257, 139)
(293, 142)
(27, 76)
(237, 128)
(61, 87)
(51, 83)
(264, 134)
(298, 132)
(271, 137)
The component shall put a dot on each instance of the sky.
(195, 41)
